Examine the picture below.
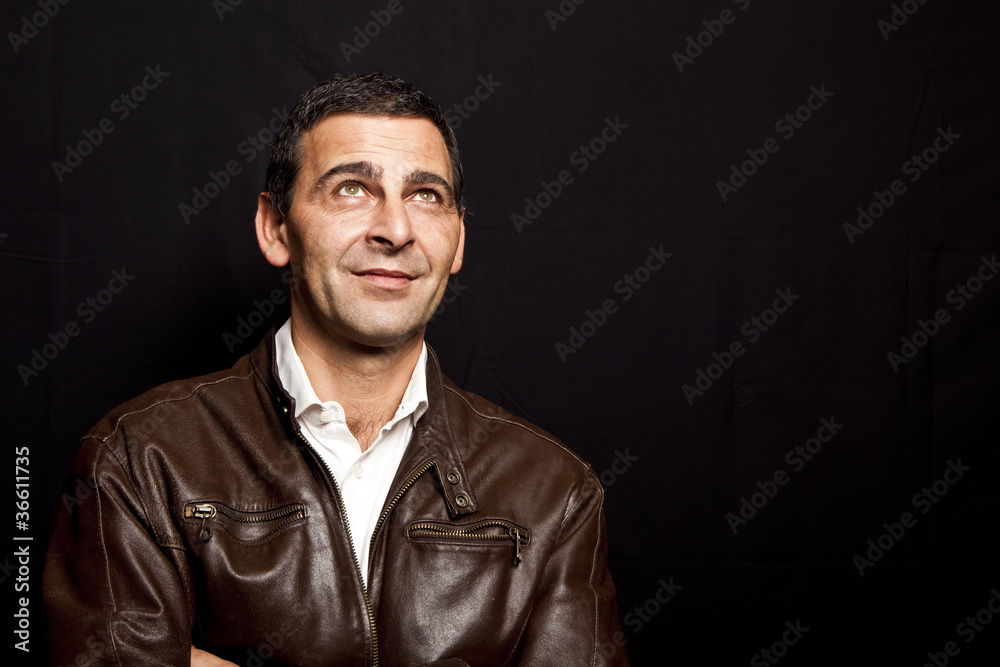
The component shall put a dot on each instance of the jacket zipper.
(350, 539)
(399, 494)
(207, 511)
(511, 532)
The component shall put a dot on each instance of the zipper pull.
(515, 535)
(205, 512)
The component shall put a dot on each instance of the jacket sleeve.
(116, 592)
(575, 619)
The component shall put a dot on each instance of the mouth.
(385, 278)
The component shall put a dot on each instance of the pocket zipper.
(474, 533)
(207, 511)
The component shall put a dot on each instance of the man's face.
(372, 233)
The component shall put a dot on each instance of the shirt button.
(358, 472)
(326, 416)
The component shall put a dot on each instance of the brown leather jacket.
(200, 514)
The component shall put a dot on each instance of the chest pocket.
(244, 526)
(485, 533)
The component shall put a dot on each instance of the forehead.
(399, 145)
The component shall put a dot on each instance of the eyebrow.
(422, 177)
(369, 171)
(361, 169)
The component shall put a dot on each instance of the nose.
(391, 227)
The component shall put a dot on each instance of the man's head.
(373, 94)
(371, 220)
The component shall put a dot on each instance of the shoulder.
(178, 401)
(478, 423)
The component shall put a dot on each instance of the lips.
(385, 272)
(385, 278)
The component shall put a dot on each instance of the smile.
(385, 279)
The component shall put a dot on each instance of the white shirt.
(362, 478)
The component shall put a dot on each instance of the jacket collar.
(433, 438)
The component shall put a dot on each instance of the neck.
(368, 382)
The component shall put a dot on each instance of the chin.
(385, 337)
(380, 325)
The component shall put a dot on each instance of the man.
(333, 499)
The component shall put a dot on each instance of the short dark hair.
(374, 94)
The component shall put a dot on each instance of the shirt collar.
(294, 379)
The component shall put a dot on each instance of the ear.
(271, 232)
(460, 251)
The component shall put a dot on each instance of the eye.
(427, 196)
(350, 190)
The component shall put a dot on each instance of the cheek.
(442, 242)
(320, 236)
(322, 250)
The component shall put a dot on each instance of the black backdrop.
(819, 347)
